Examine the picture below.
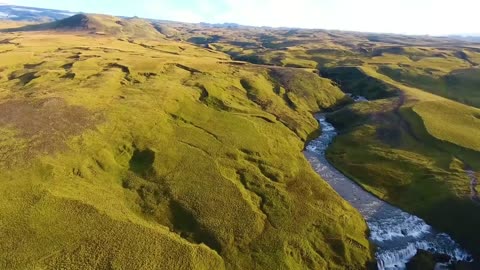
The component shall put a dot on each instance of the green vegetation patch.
(390, 153)
(170, 157)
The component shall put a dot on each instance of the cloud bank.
(435, 17)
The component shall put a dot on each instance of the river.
(397, 234)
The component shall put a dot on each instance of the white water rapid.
(397, 234)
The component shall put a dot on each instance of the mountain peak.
(76, 21)
(96, 24)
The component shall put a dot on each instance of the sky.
(419, 17)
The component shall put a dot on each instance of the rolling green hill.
(412, 144)
(97, 24)
(162, 155)
(413, 150)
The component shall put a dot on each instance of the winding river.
(397, 234)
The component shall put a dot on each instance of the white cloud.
(400, 16)
(184, 16)
(406, 16)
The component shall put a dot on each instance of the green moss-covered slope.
(160, 155)
(414, 150)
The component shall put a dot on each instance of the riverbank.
(390, 154)
(397, 234)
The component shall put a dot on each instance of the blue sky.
(434, 17)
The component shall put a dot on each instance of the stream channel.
(397, 235)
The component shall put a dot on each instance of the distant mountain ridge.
(42, 15)
(31, 14)
(97, 24)
(469, 37)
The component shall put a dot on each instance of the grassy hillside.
(460, 85)
(413, 150)
(409, 147)
(149, 154)
(442, 66)
(97, 24)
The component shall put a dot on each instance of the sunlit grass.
(185, 161)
